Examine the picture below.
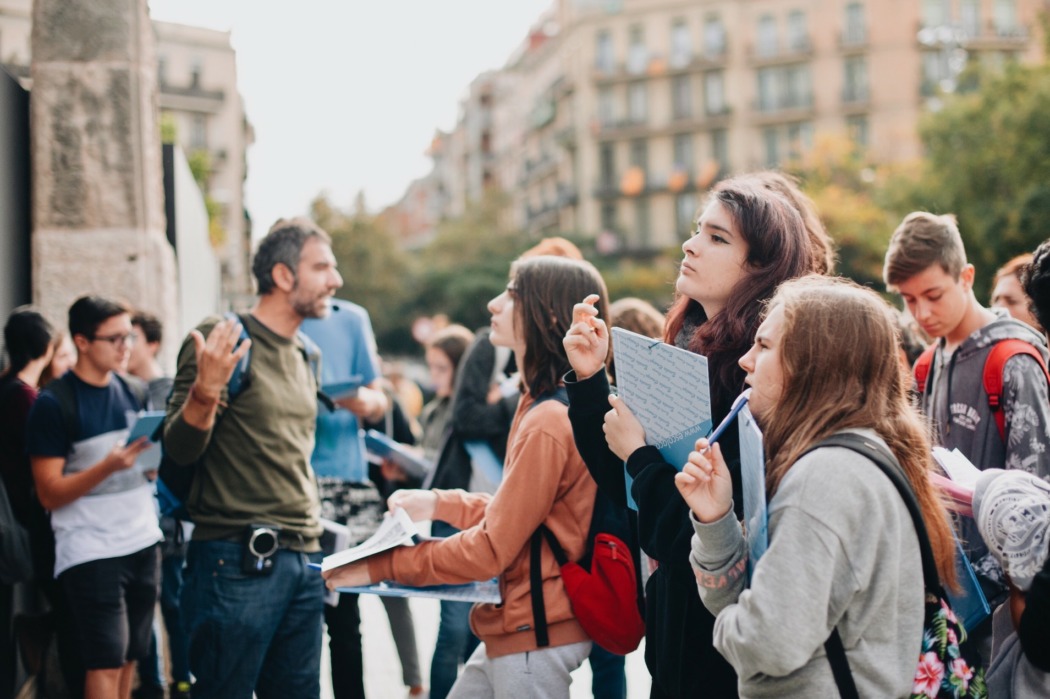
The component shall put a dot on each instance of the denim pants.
(455, 641)
(248, 633)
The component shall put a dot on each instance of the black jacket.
(473, 417)
(678, 628)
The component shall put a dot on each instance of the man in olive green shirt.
(254, 620)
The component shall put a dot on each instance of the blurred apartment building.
(198, 95)
(613, 116)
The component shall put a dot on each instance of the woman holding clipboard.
(748, 239)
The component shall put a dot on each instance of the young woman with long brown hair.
(748, 239)
(544, 482)
(843, 551)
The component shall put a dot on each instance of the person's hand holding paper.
(623, 432)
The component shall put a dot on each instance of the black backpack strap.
(539, 610)
(63, 391)
(888, 464)
(840, 666)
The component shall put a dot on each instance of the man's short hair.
(283, 244)
(89, 312)
(924, 239)
(150, 326)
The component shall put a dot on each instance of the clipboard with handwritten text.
(668, 390)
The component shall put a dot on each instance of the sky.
(345, 95)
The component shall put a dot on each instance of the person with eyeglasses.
(103, 515)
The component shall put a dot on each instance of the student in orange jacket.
(544, 482)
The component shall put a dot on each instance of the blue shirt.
(348, 349)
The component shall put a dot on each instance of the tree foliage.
(988, 162)
(374, 269)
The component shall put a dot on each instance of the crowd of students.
(829, 381)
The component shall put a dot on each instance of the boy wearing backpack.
(102, 509)
(992, 406)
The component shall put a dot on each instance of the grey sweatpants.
(538, 674)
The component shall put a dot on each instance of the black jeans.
(344, 634)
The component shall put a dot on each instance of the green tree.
(374, 269)
(988, 162)
(845, 188)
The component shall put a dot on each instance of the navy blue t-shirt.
(101, 409)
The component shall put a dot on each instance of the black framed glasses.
(117, 339)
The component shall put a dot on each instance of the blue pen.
(739, 403)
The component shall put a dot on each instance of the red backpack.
(993, 373)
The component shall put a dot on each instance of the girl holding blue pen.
(843, 552)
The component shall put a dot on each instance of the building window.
(720, 149)
(767, 36)
(799, 139)
(857, 128)
(198, 132)
(609, 216)
(681, 44)
(799, 87)
(641, 221)
(855, 87)
(637, 100)
(1004, 14)
(681, 97)
(195, 73)
(714, 92)
(685, 213)
(637, 56)
(162, 70)
(771, 141)
(683, 152)
(936, 74)
(797, 36)
(640, 155)
(856, 28)
(607, 163)
(603, 53)
(768, 99)
(714, 37)
(970, 17)
(935, 13)
(606, 106)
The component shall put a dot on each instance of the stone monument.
(98, 202)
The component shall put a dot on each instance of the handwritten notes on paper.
(667, 389)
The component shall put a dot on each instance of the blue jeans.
(248, 633)
(608, 678)
(455, 641)
(178, 641)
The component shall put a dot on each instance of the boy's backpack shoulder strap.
(63, 391)
(993, 374)
(922, 367)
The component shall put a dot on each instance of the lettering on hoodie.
(715, 582)
(965, 415)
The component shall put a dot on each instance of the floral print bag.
(945, 668)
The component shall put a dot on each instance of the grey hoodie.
(956, 403)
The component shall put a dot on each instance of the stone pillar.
(98, 201)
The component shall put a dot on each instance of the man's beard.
(315, 308)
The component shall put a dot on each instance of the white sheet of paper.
(957, 466)
(396, 530)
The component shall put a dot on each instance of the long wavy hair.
(545, 290)
(827, 390)
(778, 249)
